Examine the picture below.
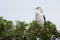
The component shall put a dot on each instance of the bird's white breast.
(40, 19)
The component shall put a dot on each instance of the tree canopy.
(34, 30)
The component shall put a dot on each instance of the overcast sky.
(25, 10)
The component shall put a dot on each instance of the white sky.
(25, 10)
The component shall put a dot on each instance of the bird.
(40, 17)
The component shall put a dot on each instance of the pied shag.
(40, 17)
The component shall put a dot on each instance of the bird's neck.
(39, 13)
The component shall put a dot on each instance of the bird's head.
(39, 10)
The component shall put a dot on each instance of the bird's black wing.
(44, 19)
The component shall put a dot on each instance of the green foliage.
(20, 29)
(33, 32)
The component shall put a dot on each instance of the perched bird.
(40, 18)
